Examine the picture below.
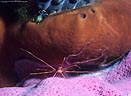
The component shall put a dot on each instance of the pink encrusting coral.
(121, 72)
(116, 82)
(14, 91)
(79, 86)
(120, 75)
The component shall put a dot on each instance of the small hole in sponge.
(93, 11)
(83, 16)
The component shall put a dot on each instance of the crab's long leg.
(62, 62)
(104, 65)
(38, 59)
(87, 61)
(39, 73)
(78, 71)
(33, 74)
(63, 75)
(71, 66)
(55, 74)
